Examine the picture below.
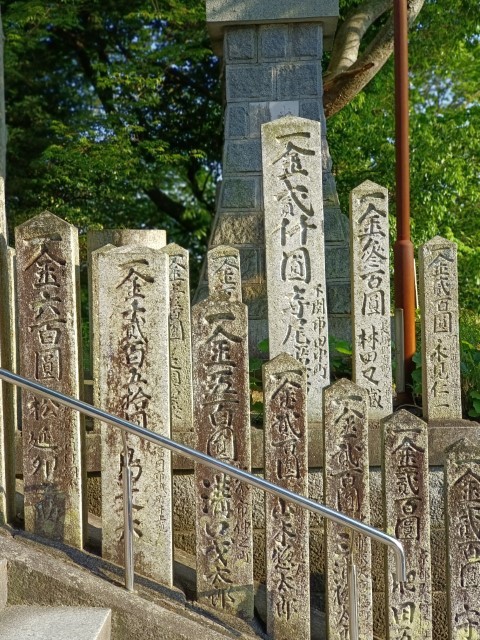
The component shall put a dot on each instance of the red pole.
(404, 270)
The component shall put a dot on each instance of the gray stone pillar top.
(228, 13)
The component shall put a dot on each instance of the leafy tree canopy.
(114, 115)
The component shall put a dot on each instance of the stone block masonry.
(272, 69)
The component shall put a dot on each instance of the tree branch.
(349, 36)
(341, 87)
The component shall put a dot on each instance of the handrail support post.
(127, 516)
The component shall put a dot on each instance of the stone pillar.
(272, 53)
(462, 509)
(372, 336)
(222, 425)
(48, 303)
(286, 529)
(180, 342)
(133, 383)
(8, 392)
(407, 517)
(96, 239)
(441, 390)
(223, 267)
(294, 244)
(346, 489)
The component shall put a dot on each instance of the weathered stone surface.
(272, 70)
(180, 341)
(222, 424)
(223, 13)
(47, 286)
(441, 391)
(301, 79)
(133, 380)
(241, 229)
(224, 276)
(8, 392)
(370, 277)
(273, 42)
(250, 82)
(407, 517)
(346, 486)
(462, 509)
(295, 256)
(96, 239)
(287, 533)
(242, 156)
(241, 193)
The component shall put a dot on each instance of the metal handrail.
(197, 456)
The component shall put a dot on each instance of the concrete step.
(55, 623)
(51, 574)
(3, 583)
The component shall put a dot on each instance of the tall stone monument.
(294, 249)
(272, 54)
(441, 389)
(48, 302)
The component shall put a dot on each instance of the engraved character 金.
(441, 272)
(178, 268)
(370, 222)
(134, 281)
(46, 265)
(228, 275)
(469, 486)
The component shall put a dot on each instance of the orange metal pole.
(404, 270)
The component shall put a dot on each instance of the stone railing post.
(272, 54)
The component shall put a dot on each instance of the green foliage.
(113, 112)
(469, 365)
(444, 125)
(340, 358)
